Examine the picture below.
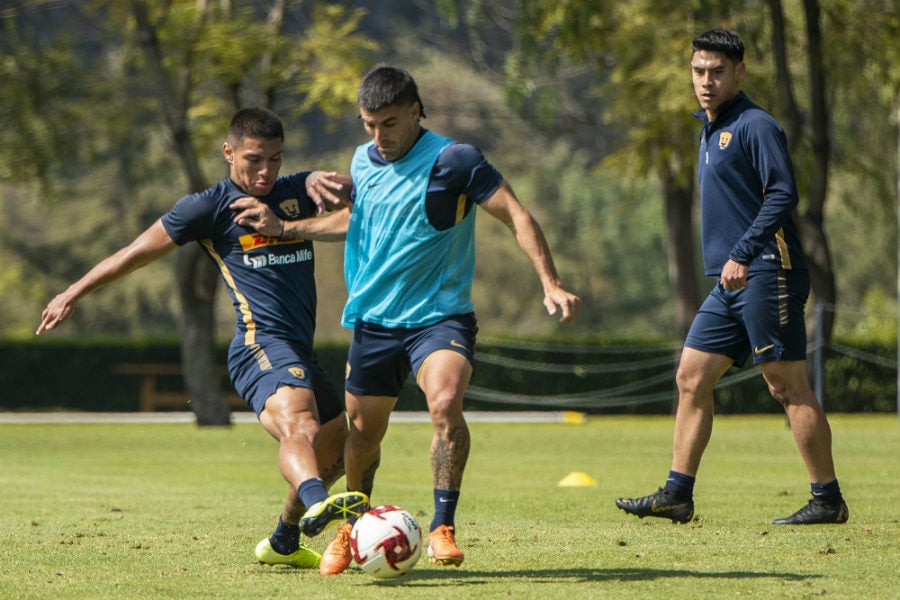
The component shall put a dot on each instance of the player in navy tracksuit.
(271, 360)
(750, 243)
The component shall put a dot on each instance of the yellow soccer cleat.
(303, 558)
(334, 509)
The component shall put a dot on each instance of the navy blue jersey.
(747, 191)
(271, 281)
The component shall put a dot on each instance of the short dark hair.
(254, 122)
(386, 86)
(721, 40)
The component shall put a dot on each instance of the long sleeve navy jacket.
(747, 191)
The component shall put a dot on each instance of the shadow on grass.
(466, 577)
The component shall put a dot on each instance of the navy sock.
(311, 491)
(445, 502)
(826, 490)
(286, 539)
(681, 485)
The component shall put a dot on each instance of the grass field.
(170, 511)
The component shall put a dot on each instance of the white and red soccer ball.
(386, 542)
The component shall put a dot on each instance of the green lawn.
(171, 511)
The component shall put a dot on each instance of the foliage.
(600, 376)
(41, 124)
(170, 511)
(636, 51)
(566, 98)
(91, 161)
(55, 373)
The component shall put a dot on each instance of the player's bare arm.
(258, 216)
(504, 206)
(152, 244)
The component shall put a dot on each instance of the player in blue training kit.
(271, 282)
(750, 243)
(409, 264)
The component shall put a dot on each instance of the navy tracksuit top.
(747, 191)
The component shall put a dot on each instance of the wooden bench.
(152, 399)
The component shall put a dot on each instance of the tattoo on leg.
(448, 458)
(368, 477)
(331, 473)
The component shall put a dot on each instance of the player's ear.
(228, 152)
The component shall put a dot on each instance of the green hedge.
(68, 374)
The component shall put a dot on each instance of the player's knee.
(791, 395)
(445, 408)
(365, 438)
(688, 382)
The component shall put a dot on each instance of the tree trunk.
(197, 281)
(679, 206)
(195, 275)
(812, 221)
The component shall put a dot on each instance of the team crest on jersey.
(291, 207)
(724, 139)
(297, 372)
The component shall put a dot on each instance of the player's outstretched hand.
(567, 303)
(59, 309)
(257, 216)
(329, 190)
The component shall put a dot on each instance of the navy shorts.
(765, 319)
(380, 359)
(258, 370)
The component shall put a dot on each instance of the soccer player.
(271, 359)
(409, 264)
(750, 243)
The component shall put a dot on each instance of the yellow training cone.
(577, 479)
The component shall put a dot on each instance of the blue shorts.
(765, 319)
(380, 359)
(258, 370)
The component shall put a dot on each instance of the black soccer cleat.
(662, 504)
(818, 510)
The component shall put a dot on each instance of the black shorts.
(765, 319)
(258, 370)
(381, 359)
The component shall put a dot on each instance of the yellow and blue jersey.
(271, 281)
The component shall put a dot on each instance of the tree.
(637, 50)
(197, 62)
(637, 53)
(183, 43)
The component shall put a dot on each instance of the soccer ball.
(386, 542)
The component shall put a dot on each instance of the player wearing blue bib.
(750, 243)
(409, 264)
(271, 282)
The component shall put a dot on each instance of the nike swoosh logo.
(456, 344)
(444, 500)
(757, 351)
